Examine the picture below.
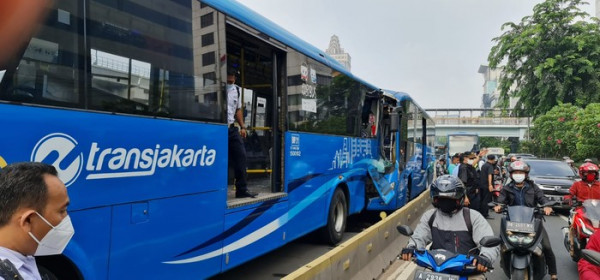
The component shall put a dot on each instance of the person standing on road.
(453, 167)
(452, 227)
(33, 218)
(486, 185)
(468, 175)
(237, 151)
(441, 166)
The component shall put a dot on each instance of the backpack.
(466, 215)
(9, 271)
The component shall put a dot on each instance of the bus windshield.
(461, 143)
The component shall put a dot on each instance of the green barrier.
(367, 254)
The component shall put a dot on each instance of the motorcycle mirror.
(591, 256)
(490, 241)
(404, 230)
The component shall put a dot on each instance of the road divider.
(368, 254)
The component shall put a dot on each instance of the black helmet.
(447, 186)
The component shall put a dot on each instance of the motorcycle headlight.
(520, 238)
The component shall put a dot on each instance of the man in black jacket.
(522, 191)
(468, 175)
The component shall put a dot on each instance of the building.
(337, 52)
(491, 92)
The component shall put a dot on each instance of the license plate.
(555, 198)
(428, 275)
(520, 227)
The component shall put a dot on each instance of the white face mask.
(519, 178)
(470, 161)
(56, 239)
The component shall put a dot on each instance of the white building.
(337, 52)
(491, 92)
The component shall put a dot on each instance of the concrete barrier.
(367, 254)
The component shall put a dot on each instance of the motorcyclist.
(588, 271)
(522, 191)
(588, 187)
(447, 225)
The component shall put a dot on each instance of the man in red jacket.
(588, 187)
(588, 271)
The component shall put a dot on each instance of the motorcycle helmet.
(588, 168)
(518, 166)
(445, 188)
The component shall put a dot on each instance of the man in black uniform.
(486, 184)
(468, 175)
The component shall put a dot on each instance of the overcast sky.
(431, 49)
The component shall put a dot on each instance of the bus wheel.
(337, 217)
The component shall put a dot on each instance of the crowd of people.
(467, 181)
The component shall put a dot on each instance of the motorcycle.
(521, 254)
(591, 256)
(584, 220)
(496, 189)
(442, 264)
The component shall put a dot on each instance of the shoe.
(242, 194)
(554, 277)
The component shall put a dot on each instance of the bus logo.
(59, 150)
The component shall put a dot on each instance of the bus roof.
(266, 26)
(401, 96)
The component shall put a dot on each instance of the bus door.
(259, 68)
(383, 172)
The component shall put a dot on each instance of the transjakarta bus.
(126, 99)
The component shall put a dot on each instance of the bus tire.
(337, 217)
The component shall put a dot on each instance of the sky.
(431, 49)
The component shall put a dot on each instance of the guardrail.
(367, 254)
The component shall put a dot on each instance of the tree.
(551, 57)
(588, 132)
(555, 132)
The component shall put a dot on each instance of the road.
(285, 260)
(567, 269)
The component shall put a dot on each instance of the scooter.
(444, 265)
(521, 255)
(583, 222)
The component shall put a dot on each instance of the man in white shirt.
(33, 218)
(237, 151)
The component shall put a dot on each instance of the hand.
(243, 132)
(547, 210)
(497, 208)
(407, 253)
(481, 263)
(491, 188)
(467, 202)
(567, 201)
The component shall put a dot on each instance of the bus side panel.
(89, 249)
(417, 173)
(107, 159)
(314, 164)
(173, 238)
(254, 232)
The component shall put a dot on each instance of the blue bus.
(126, 99)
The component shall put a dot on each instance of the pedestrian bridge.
(484, 122)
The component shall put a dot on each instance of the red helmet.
(587, 168)
(518, 166)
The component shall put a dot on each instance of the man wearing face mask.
(588, 187)
(33, 218)
(522, 191)
(451, 227)
(468, 175)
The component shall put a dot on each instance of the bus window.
(50, 69)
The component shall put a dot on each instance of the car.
(553, 177)
(521, 156)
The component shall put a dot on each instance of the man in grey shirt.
(451, 227)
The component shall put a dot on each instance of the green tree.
(555, 132)
(588, 132)
(551, 57)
